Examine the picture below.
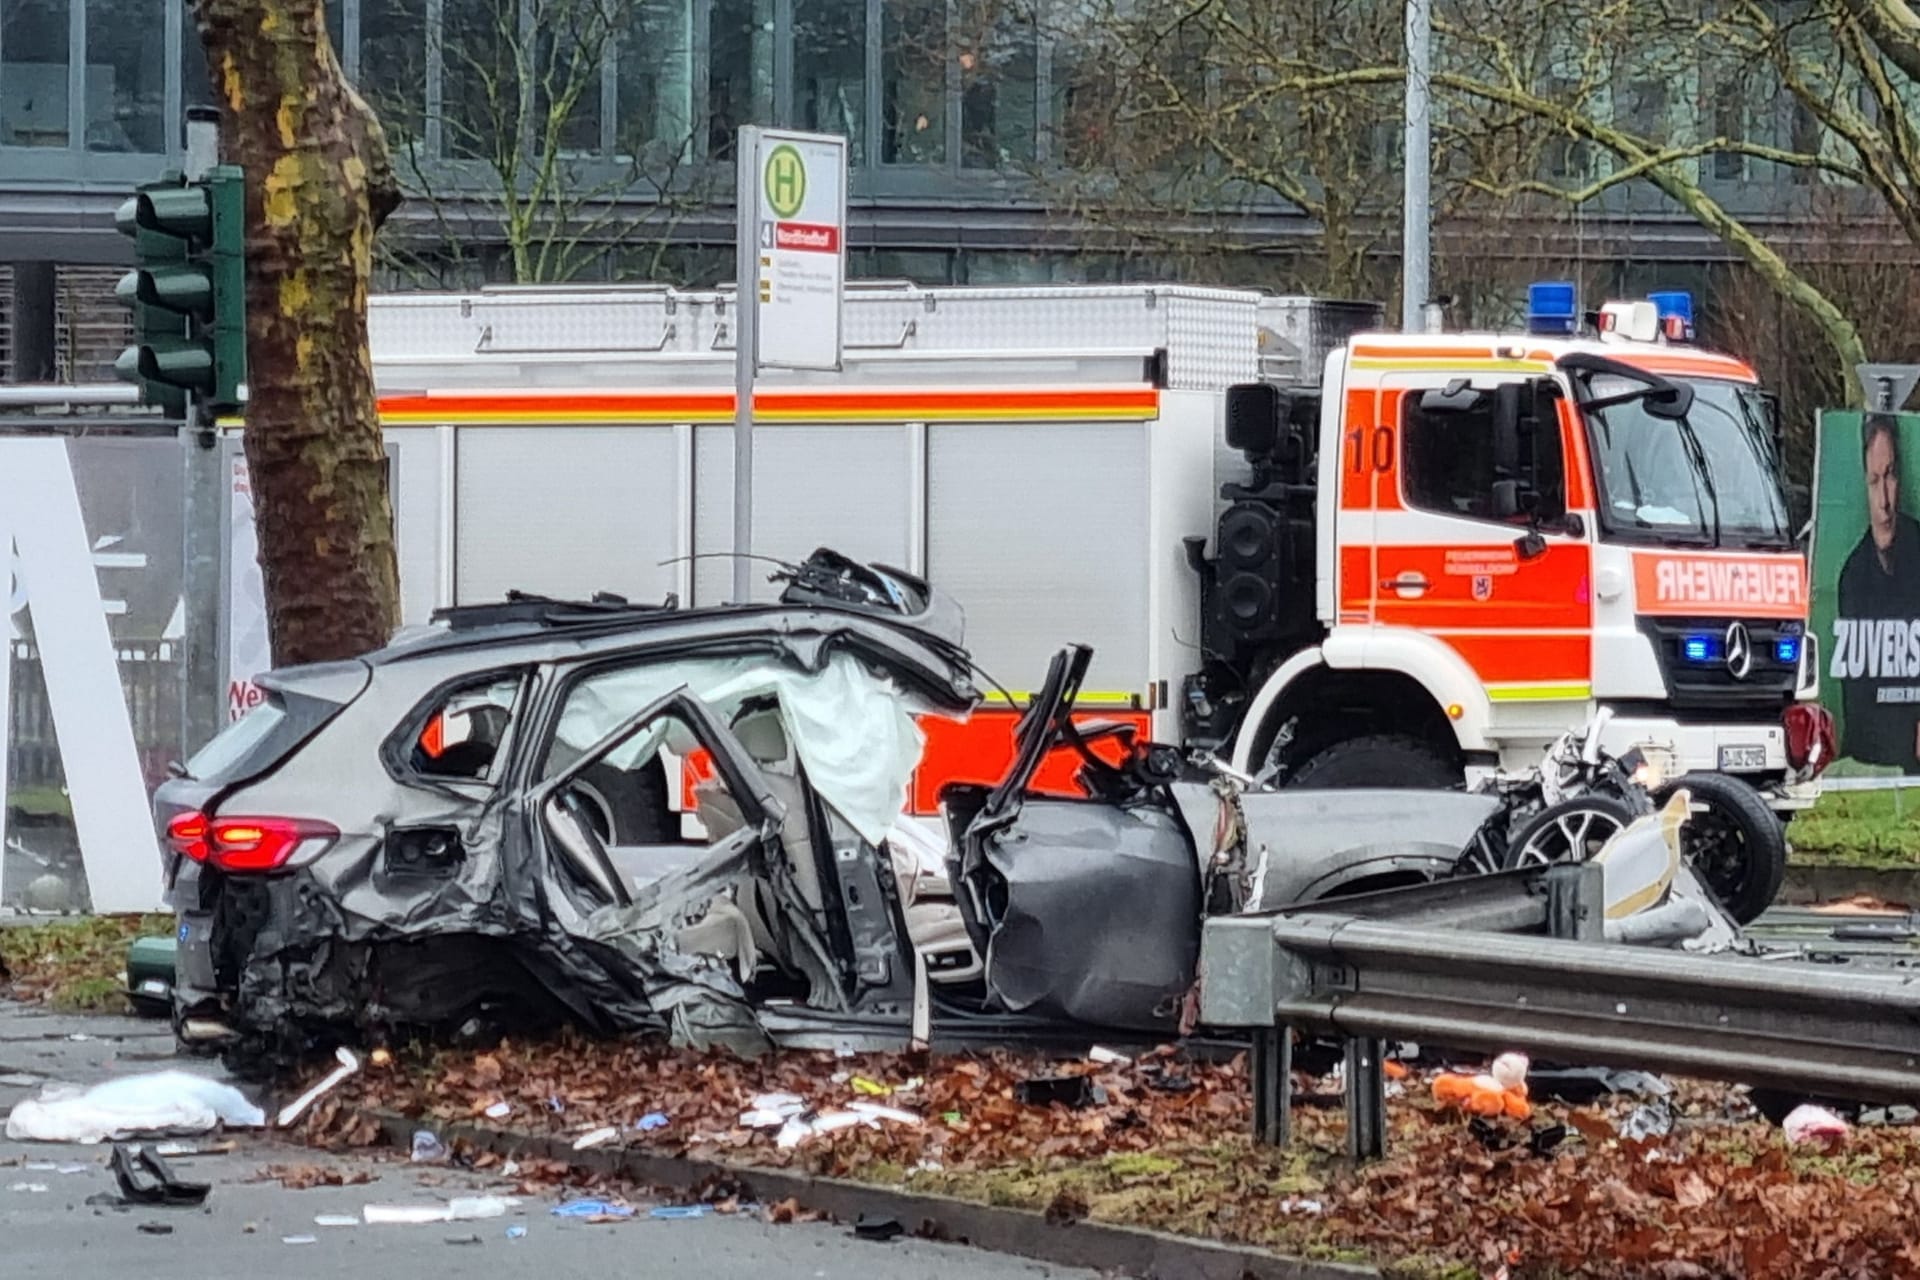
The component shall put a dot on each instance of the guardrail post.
(1576, 898)
(1366, 1099)
(1271, 1065)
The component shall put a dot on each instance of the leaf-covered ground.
(1722, 1194)
(76, 965)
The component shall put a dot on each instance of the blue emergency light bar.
(1701, 648)
(1786, 650)
(1553, 307)
(1676, 313)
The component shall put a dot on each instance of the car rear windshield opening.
(261, 738)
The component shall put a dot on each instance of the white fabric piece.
(853, 730)
(160, 1102)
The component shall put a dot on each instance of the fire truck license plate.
(1733, 759)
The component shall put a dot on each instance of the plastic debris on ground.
(145, 1178)
(651, 1121)
(427, 1148)
(20, 1080)
(155, 1229)
(335, 1220)
(1107, 1057)
(1068, 1091)
(498, 1111)
(187, 1150)
(870, 1227)
(1579, 1086)
(34, 1188)
(772, 1110)
(1646, 1122)
(299, 1239)
(869, 1088)
(47, 1166)
(349, 1064)
(1808, 1125)
(598, 1137)
(592, 1209)
(1890, 1116)
(466, 1239)
(680, 1211)
(516, 1232)
(459, 1209)
(157, 1102)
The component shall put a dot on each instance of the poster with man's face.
(1866, 586)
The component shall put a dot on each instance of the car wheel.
(1381, 760)
(1571, 831)
(1733, 842)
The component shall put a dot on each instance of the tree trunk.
(319, 182)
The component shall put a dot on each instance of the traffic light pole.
(202, 700)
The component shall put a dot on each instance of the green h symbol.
(786, 180)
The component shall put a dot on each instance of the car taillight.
(1812, 740)
(187, 834)
(261, 844)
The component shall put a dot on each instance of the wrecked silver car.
(476, 827)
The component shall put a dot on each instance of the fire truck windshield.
(1710, 478)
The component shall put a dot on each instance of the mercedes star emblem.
(1739, 651)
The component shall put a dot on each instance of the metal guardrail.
(1375, 969)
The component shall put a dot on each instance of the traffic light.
(188, 291)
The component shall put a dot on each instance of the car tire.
(1738, 848)
(1380, 760)
(633, 804)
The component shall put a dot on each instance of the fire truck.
(1344, 557)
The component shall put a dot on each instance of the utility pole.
(1416, 244)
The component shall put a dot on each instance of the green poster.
(1866, 586)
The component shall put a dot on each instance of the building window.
(913, 82)
(126, 84)
(654, 79)
(1448, 463)
(830, 70)
(33, 73)
(393, 68)
(570, 45)
(1803, 137)
(1645, 109)
(1730, 122)
(480, 44)
(999, 87)
(740, 71)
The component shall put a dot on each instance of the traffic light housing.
(187, 291)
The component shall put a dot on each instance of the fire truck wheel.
(1736, 844)
(1382, 760)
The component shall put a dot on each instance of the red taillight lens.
(187, 833)
(1812, 741)
(261, 844)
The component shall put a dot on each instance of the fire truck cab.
(1346, 556)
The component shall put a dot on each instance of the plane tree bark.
(319, 183)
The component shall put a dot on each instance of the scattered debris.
(349, 1064)
(1647, 1122)
(1501, 1091)
(651, 1121)
(466, 1239)
(381, 1058)
(427, 1148)
(516, 1232)
(1069, 1091)
(498, 1111)
(869, 1088)
(335, 1220)
(158, 1102)
(1580, 1086)
(593, 1210)
(1810, 1125)
(145, 1178)
(459, 1209)
(34, 1188)
(20, 1080)
(511, 1169)
(299, 1239)
(1894, 1116)
(1107, 1057)
(155, 1229)
(680, 1211)
(596, 1138)
(188, 1150)
(869, 1227)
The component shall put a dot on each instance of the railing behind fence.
(151, 676)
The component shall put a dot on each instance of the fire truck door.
(1507, 589)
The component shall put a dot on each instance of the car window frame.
(396, 750)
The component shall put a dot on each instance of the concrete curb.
(1810, 884)
(1131, 1251)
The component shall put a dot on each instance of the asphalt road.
(244, 1226)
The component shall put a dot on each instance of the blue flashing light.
(1701, 648)
(1673, 302)
(1553, 307)
(1786, 650)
